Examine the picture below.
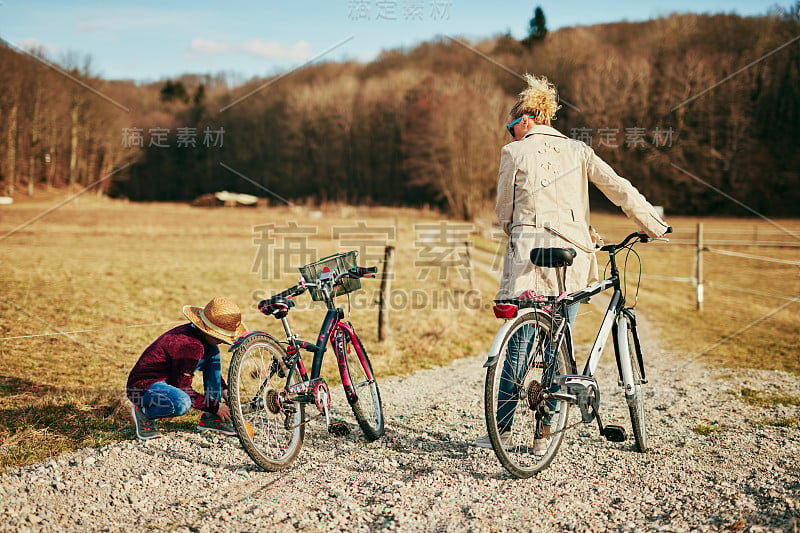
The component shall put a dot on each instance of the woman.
(543, 196)
(543, 202)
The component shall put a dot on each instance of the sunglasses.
(510, 125)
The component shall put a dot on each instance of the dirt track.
(424, 475)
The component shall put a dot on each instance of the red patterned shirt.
(173, 357)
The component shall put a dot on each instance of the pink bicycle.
(269, 386)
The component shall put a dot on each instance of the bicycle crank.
(581, 391)
(323, 400)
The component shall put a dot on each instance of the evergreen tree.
(537, 28)
(174, 91)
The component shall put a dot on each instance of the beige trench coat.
(543, 201)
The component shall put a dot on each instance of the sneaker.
(540, 446)
(145, 428)
(209, 422)
(542, 442)
(483, 441)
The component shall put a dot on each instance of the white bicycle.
(532, 378)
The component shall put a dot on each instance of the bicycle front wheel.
(360, 385)
(635, 398)
(270, 430)
(525, 428)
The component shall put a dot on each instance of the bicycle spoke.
(515, 401)
(255, 375)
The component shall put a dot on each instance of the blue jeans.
(515, 368)
(162, 400)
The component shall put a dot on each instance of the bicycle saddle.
(553, 257)
(279, 305)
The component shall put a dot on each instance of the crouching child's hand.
(224, 413)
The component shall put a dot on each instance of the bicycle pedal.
(339, 429)
(615, 433)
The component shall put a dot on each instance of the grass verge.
(116, 275)
(712, 428)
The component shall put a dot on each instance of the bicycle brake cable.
(625, 274)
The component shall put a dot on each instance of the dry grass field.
(87, 287)
(750, 312)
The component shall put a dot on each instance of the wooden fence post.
(386, 292)
(469, 263)
(699, 273)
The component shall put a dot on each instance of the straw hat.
(221, 318)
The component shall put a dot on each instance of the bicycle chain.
(292, 428)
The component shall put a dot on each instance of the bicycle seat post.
(289, 334)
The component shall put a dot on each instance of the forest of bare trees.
(671, 103)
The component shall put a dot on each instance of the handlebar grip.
(292, 291)
(363, 271)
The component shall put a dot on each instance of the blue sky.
(151, 40)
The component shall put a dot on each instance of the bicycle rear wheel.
(270, 433)
(517, 415)
(360, 385)
(635, 397)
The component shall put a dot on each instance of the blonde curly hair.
(539, 99)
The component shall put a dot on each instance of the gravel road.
(424, 475)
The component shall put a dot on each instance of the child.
(160, 384)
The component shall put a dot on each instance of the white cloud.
(263, 49)
(33, 45)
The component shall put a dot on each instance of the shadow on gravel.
(197, 459)
(425, 451)
(774, 509)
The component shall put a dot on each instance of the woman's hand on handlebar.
(637, 236)
(645, 237)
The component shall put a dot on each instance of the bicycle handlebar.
(641, 236)
(300, 288)
(356, 272)
(291, 292)
(363, 271)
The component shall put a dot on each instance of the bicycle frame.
(615, 322)
(329, 332)
(269, 413)
(615, 306)
(333, 330)
(616, 315)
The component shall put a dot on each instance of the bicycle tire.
(525, 337)
(363, 394)
(277, 435)
(635, 400)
